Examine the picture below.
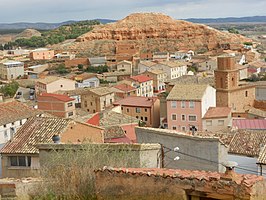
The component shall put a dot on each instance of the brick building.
(147, 109)
(228, 91)
(42, 54)
(57, 104)
(144, 85)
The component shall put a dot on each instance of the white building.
(144, 85)
(11, 70)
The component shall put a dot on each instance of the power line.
(200, 158)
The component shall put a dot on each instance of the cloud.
(62, 10)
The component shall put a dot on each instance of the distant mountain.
(228, 20)
(43, 26)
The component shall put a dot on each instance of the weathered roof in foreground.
(187, 92)
(14, 111)
(217, 112)
(262, 156)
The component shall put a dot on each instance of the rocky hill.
(28, 33)
(154, 32)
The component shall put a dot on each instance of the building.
(147, 109)
(114, 76)
(261, 91)
(249, 124)
(76, 62)
(11, 70)
(52, 84)
(20, 156)
(262, 161)
(217, 119)
(97, 61)
(174, 69)
(228, 90)
(97, 99)
(124, 90)
(187, 104)
(41, 54)
(160, 56)
(157, 184)
(87, 80)
(33, 72)
(12, 116)
(124, 66)
(57, 104)
(144, 85)
(195, 152)
(159, 79)
(145, 66)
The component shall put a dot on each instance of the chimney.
(229, 174)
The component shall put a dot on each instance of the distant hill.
(43, 26)
(253, 19)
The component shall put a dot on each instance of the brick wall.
(76, 62)
(260, 105)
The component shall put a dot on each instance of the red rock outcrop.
(157, 32)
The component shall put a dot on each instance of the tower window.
(221, 82)
(246, 93)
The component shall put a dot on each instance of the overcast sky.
(63, 10)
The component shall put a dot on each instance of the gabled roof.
(136, 101)
(36, 130)
(124, 61)
(124, 87)
(59, 97)
(252, 124)
(173, 64)
(100, 91)
(217, 112)
(148, 63)
(141, 78)
(156, 71)
(14, 111)
(49, 79)
(187, 92)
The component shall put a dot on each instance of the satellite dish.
(176, 158)
(176, 149)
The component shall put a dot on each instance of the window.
(173, 104)
(208, 122)
(20, 161)
(13, 123)
(122, 108)
(174, 127)
(61, 85)
(183, 128)
(69, 104)
(111, 101)
(173, 116)
(4, 125)
(5, 134)
(20, 122)
(145, 109)
(91, 103)
(137, 117)
(220, 122)
(191, 104)
(183, 104)
(127, 110)
(141, 118)
(192, 118)
(246, 93)
(137, 110)
(70, 114)
(85, 103)
(183, 117)
(145, 119)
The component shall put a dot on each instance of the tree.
(10, 89)
(61, 69)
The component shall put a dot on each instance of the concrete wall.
(9, 73)
(61, 84)
(261, 93)
(196, 153)
(215, 125)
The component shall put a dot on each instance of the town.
(130, 113)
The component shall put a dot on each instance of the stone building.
(229, 93)
(11, 70)
(42, 54)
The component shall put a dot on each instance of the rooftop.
(217, 112)
(188, 79)
(262, 156)
(112, 132)
(173, 64)
(100, 91)
(14, 111)
(148, 63)
(187, 92)
(12, 62)
(141, 78)
(49, 79)
(40, 49)
(257, 112)
(252, 124)
(136, 101)
(156, 71)
(59, 97)
(124, 87)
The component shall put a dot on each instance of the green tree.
(10, 89)
(61, 69)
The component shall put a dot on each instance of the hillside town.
(176, 121)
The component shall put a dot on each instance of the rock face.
(155, 32)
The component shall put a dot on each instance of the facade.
(11, 70)
(261, 91)
(20, 156)
(12, 116)
(41, 54)
(169, 184)
(159, 78)
(217, 119)
(97, 61)
(52, 84)
(174, 69)
(97, 99)
(145, 66)
(228, 91)
(87, 80)
(146, 109)
(57, 104)
(144, 85)
(187, 104)
(124, 66)
(124, 90)
(160, 56)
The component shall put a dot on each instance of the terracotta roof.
(257, 64)
(148, 63)
(187, 92)
(173, 64)
(84, 76)
(101, 91)
(262, 156)
(14, 111)
(188, 79)
(252, 124)
(111, 132)
(124, 87)
(36, 130)
(59, 97)
(217, 112)
(136, 101)
(242, 179)
(141, 78)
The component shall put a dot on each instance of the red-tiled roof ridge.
(246, 179)
(137, 101)
(217, 112)
(60, 97)
(141, 78)
(124, 87)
